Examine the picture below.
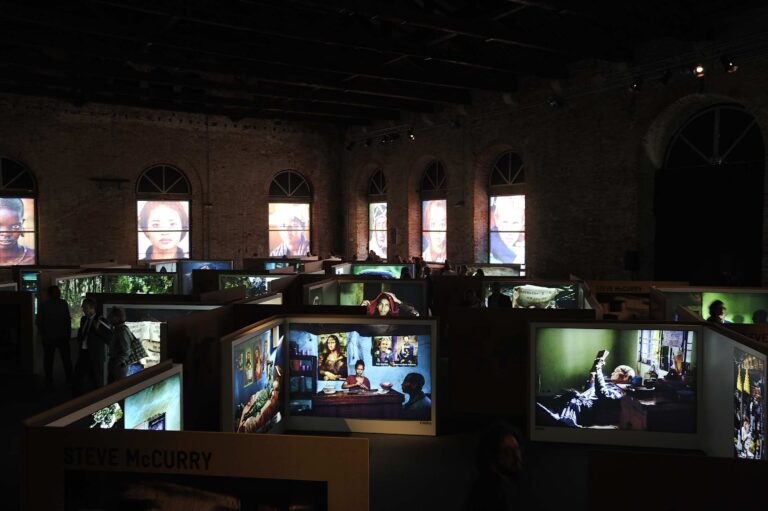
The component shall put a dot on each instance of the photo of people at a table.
(643, 380)
(364, 371)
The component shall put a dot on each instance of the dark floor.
(407, 472)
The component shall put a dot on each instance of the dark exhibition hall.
(383, 255)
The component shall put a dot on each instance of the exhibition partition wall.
(17, 340)
(671, 385)
(322, 373)
(492, 343)
(744, 305)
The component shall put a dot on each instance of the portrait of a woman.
(12, 227)
(333, 363)
(434, 225)
(166, 225)
(387, 304)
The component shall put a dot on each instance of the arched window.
(506, 214)
(708, 201)
(434, 219)
(289, 215)
(377, 214)
(163, 196)
(18, 214)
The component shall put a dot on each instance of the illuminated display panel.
(17, 231)
(163, 230)
(434, 225)
(507, 229)
(288, 229)
(377, 228)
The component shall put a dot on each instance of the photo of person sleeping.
(616, 379)
(362, 373)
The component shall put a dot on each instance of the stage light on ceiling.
(636, 85)
(411, 135)
(729, 66)
(698, 70)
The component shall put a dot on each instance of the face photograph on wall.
(258, 373)
(434, 223)
(364, 371)
(396, 299)
(17, 231)
(611, 379)
(377, 228)
(507, 229)
(163, 230)
(749, 412)
(288, 230)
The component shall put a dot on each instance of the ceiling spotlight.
(728, 65)
(698, 71)
(636, 85)
(411, 136)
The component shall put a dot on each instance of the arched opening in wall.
(377, 214)
(709, 200)
(163, 199)
(18, 214)
(506, 211)
(434, 215)
(290, 198)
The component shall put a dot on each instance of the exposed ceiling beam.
(484, 30)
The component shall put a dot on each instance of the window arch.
(434, 220)
(163, 195)
(506, 212)
(290, 195)
(377, 213)
(18, 205)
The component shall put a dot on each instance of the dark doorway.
(709, 201)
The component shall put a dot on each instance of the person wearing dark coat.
(54, 324)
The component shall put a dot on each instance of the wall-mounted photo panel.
(73, 290)
(149, 400)
(140, 283)
(382, 271)
(533, 295)
(186, 267)
(377, 228)
(145, 322)
(507, 229)
(163, 230)
(288, 229)
(254, 372)
(434, 227)
(616, 384)
(254, 285)
(18, 230)
(362, 374)
(734, 381)
(401, 298)
(322, 293)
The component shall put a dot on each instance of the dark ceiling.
(337, 61)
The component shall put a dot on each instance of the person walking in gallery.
(93, 337)
(119, 345)
(497, 299)
(54, 325)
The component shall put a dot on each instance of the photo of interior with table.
(628, 379)
(360, 371)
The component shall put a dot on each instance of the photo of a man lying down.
(651, 386)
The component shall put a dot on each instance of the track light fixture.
(698, 70)
(729, 66)
(411, 135)
(636, 85)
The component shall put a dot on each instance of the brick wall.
(229, 166)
